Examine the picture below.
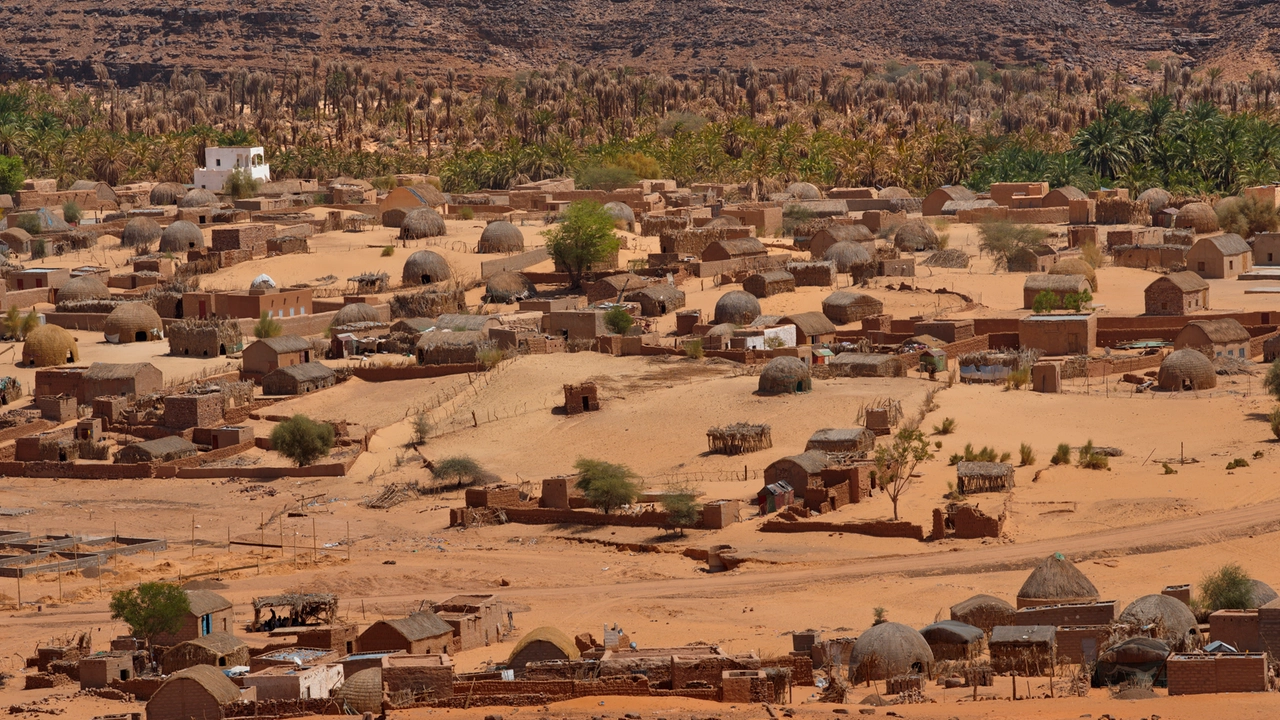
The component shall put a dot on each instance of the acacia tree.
(896, 462)
(681, 506)
(583, 238)
(302, 439)
(606, 485)
(151, 609)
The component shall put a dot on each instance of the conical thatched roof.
(199, 197)
(951, 632)
(133, 322)
(140, 231)
(1156, 198)
(422, 222)
(621, 212)
(49, 345)
(984, 611)
(362, 691)
(1076, 266)
(167, 193)
(424, 268)
(500, 237)
(507, 287)
(85, 287)
(1198, 216)
(889, 649)
(804, 191)
(849, 257)
(737, 307)
(915, 235)
(354, 313)
(181, 236)
(785, 375)
(1175, 619)
(1057, 580)
(1186, 369)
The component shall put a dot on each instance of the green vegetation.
(1092, 254)
(947, 427)
(1001, 239)
(1089, 459)
(385, 183)
(693, 349)
(604, 177)
(467, 213)
(986, 454)
(1044, 301)
(71, 212)
(1247, 217)
(388, 251)
(17, 326)
(12, 174)
(490, 357)
(896, 462)
(151, 609)
(267, 327)
(878, 616)
(1061, 456)
(241, 184)
(681, 506)
(583, 237)
(1077, 301)
(302, 439)
(458, 470)
(1237, 463)
(1168, 470)
(1272, 381)
(421, 427)
(27, 221)
(39, 248)
(607, 486)
(1026, 455)
(1227, 588)
(618, 320)
(1018, 377)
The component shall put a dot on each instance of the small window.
(218, 162)
(1231, 264)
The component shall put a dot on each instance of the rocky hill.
(135, 39)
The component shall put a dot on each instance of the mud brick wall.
(413, 372)
(190, 411)
(1240, 629)
(801, 667)
(1101, 613)
(1071, 641)
(1241, 673)
(430, 681)
(252, 237)
(513, 263)
(972, 523)
(686, 670)
(493, 497)
(876, 528)
(554, 516)
(118, 471)
(973, 344)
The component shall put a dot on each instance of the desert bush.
(1237, 463)
(681, 506)
(467, 213)
(385, 183)
(607, 486)
(421, 427)
(604, 177)
(458, 470)
(302, 439)
(388, 251)
(71, 212)
(39, 248)
(1168, 470)
(1044, 301)
(1247, 217)
(1077, 301)
(1090, 460)
(1227, 588)
(27, 221)
(1001, 239)
(267, 327)
(618, 320)
(490, 357)
(1272, 381)
(1018, 378)
(1061, 456)
(241, 184)
(90, 450)
(947, 427)
(693, 349)
(1092, 254)
(1026, 454)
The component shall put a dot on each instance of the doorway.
(586, 403)
(140, 336)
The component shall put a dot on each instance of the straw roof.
(428, 340)
(984, 611)
(15, 236)
(1223, 331)
(218, 642)
(722, 330)
(1056, 578)
(915, 235)
(140, 231)
(1173, 616)
(49, 345)
(506, 287)
(737, 307)
(219, 687)
(1262, 594)
(1186, 281)
(85, 287)
(167, 193)
(853, 233)
(804, 191)
(620, 212)
(1060, 197)
(989, 470)
(362, 692)
(1076, 266)
(500, 237)
(738, 247)
(1156, 198)
(425, 267)
(844, 298)
(1040, 282)
(1198, 216)
(849, 256)
(302, 372)
(204, 602)
(126, 321)
(809, 323)
(784, 375)
(889, 649)
(422, 222)
(419, 626)
(181, 236)
(1186, 369)
(857, 439)
(116, 371)
(1229, 244)
(951, 632)
(354, 313)
(547, 634)
(199, 197)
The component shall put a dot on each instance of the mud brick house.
(100, 379)
(99, 670)
(1221, 256)
(165, 449)
(252, 237)
(797, 471)
(267, 354)
(1039, 259)
(1084, 613)
(1024, 649)
(575, 325)
(1241, 629)
(1180, 293)
(193, 410)
(34, 278)
(477, 620)
(946, 330)
(737, 249)
(580, 398)
(304, 682)
(409, 678)
(209, 613)
(298, 379)
(812, 327)
(278, 302)
(1214, 338)
(1217, 673)
(934, 201)
(217, 649)
(1059, 334)
(421, 633)
(197, 692)
(1266, 248)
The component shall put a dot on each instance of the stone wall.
(1099, 613)
(874, 528)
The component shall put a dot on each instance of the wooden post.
(59, 586)
(313, 539)
(193, 536)
(20, 587)
(348, 541)
(281, 537)
(228, 538)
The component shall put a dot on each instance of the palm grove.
(1187, 130)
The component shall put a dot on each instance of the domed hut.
(724, 330)
(1262, 594)
(354, 313)
(133, 322)
(140, 232)
(16, 240)
(1076, 266)
(181, 236)
(85, 287)
(539, 644)
(1197, 216)
(737, 307)
(422, 222)
(1169, 618)
(983, 611)
(852, 258)
(49, 345)
(888, 650)
(394, 217)
(500, 237)
(424, 268)
(823, 239)
(1056, 581)
(620, 212)
(915, 235)
(198, 198)
(263, 282)
(1186, 369)
(785, 376)
(362, 691)
(893, 192)
(843, 307)
(954, 640)
(507, 287)
(1156, 199)
(804, 191)
(167, 193)
(723, 221)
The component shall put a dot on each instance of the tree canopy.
(582, 238)
(607, 486)
(151, 608)
(302, 439)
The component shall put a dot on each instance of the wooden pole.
(20, 588)
(313, 539)
(193, 536)
(348, 541)
(281, 537)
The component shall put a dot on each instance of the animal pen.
(300, 609)
(739, 438)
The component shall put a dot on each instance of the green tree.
(459, 470)
(266, 327)
(151, 609)
(302, 439)
(1044, 301)
(12, 174)
(605, 177)
(1272, 381)
(583, 238)
(1247, 217)
(681, 506)
(618, 320)
(607, 486)
(1076, 301)
(241, 184)
(71, 212)
(1227, 588)
(1001, 239)
(896, 462)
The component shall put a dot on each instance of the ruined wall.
(874, 528)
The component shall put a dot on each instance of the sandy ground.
(1134, 529)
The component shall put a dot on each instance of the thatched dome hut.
(1077, 266)
(737, 307)
(804, 191)
(1156, 198)
(181, 236)
(500, 237)
(1055, 581)
(842, 307)
(1174, 619)
(507, 287)
(893, 192)
(394, 217)
(263, 282)
(887, 650)
(1186, 369)
(620, 212)
(167, 193)
(915, 235)
(1198, 216)
(1262, 594)
(198, 198)
(422, 222)
(354, 313)
(362, 691)
(424, 268)
(851, 257)
(133, 322)
(785, 375)
(85, 287)
(140, 231)
(49, 345)
(984, 611)
(723, 221)
(722, 330)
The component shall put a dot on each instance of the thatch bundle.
(199, 197)
(984, 611)
(1156, 198)
(889, 650)
(1054, 581)
(500, 237)
(953, 258)
(140, 231)
(804, 191)
(620, 212)
(354, 313)
(1169, 616)
(1186, 369)
(133, 322)
(739, 438)
(181, 236)
(737, 307)
(167, 193)
(49, 345)
(427, 303)
(915, 235)
(362, 691)
(422, 222)
(1077, 266)
(507, 287)
(785, 375)
(851, 257)
(425, 267)
(1198, 216)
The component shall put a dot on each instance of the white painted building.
(285, 682)
(220, 161)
